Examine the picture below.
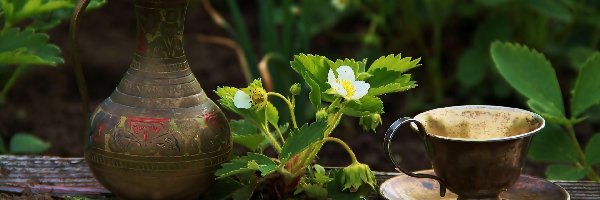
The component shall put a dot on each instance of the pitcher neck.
(160, 29)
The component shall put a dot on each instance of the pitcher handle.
(79, 76)
(386, 147)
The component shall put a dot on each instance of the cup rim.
(496, 139)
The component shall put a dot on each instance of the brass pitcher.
(158, 136)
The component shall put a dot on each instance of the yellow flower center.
(347, 85)
(258, 97)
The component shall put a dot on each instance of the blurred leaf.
(592, 150)
(246, 134)
(229, 188)
(551, 144)
(578, 55)
(365, 106)
(47, 20)
(34, 7)
(492, 3)
(530, 74)
(586, 92)
(471, 67)
(27, 47)
(26, 143)
(318, 16)
(250, 162)
(495, 27)
(564, 172)
(552, 8)
(301, 139)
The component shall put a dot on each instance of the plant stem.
(571, 133)
(265, 130)
(343, 144)
(11, 80)
(280, 134)
(290, 106)
(314, 149)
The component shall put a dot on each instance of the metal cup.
(476, 151)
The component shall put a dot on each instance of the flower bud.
(295, 89)
(370, 122)
(357, 175)
(322, 115)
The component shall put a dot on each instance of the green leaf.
(229, 188)
(27, 143)
(27, 47)
(578, 55)
(551, 144)
(46, 20)
(471, 67)
(246, 134)
(34, 7)
(365, 106)
(552, 8)
(564, 172)
(530, 74)
(394, 63)
(357, 66)
(272, 114)
(586, 92)
(250, 162)
(301, 139)
(382, 77)
(592, 150)
(313, 69)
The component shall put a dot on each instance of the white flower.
(242, 100)
(340, 5)
(346, 85)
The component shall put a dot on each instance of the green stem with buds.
(314, 149)
(582, 160)
(290, 106)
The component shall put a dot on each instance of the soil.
(45, 101)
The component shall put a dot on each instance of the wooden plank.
(45, 174)
(59, 177)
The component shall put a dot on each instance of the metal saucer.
(526, 188)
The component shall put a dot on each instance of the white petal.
(362, 88)
(241, 100)
(331, 78)
(345, 73)
(340, 90)
(333, 82)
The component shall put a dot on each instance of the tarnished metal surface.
(158, 136)
(526, 188)
(476, 151)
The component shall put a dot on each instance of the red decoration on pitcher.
(144, 125)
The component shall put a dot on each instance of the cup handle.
(386, 147)
(73, 28)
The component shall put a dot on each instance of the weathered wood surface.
(71, 177)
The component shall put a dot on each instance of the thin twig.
(231, 44)
(215, 15)
(263, 68)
